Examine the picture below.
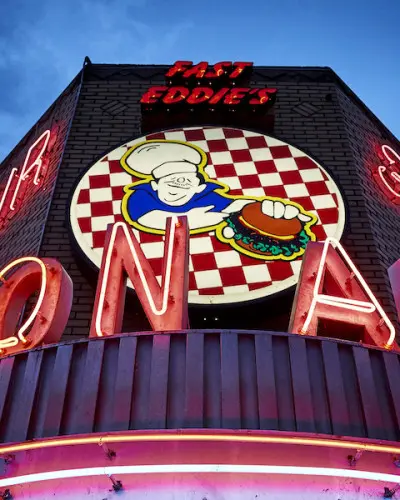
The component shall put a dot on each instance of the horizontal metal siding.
(201, 379)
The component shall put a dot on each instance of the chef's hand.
(279, 210)
(202, 217)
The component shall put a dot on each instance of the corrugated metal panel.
(201, 379)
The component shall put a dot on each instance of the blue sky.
(43, 44)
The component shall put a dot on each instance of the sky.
(43, 44)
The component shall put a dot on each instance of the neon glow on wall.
(15, 189)
(388, 174)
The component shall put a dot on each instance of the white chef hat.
(161, 158)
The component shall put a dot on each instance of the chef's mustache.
(179, 185)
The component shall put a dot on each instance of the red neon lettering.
(5, 200)
(34, 158)
(389, 174)
(219, 69)
(198, 71)
(200, 95)
(14, 192)
(218, 96)
(264, 96)
(153, 94)
(176, 94)
(331, 288)
(239, 68)
(49, 316)
(165, 306)
(235, 96)
(178, 67)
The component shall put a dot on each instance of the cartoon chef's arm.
(156, 219)
(197, 217)
(236, 206)
(274, 208)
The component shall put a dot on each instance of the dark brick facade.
(314, 111)
(374, 243)
(22, 234)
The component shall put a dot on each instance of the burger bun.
(253, 215)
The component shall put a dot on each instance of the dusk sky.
(43, 44)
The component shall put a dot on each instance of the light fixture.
(198, 469)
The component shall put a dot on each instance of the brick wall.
(310, 113)
(22, 234)
(342, 137)
(94, 130)
(376, 241)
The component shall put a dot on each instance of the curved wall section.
(201, 379)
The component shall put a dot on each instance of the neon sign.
(16, 187)
(165, 306)
(202, 70)
(388, 174)
(201, 95)
(332, 288)
(263, 216)
(202, 84)
(199, 468)
(48, 318)
(346, 298)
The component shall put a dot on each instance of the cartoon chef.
(175, 183)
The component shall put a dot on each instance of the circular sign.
(253, 203)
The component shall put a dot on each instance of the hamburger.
(263, 235)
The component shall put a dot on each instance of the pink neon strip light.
(200, 468)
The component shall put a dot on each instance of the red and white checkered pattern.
(251, 164)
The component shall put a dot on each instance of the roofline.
(48, 111)
(346, 89)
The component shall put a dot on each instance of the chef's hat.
(159, 158)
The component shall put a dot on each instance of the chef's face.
(178, 189)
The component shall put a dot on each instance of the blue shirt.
(144, 199)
